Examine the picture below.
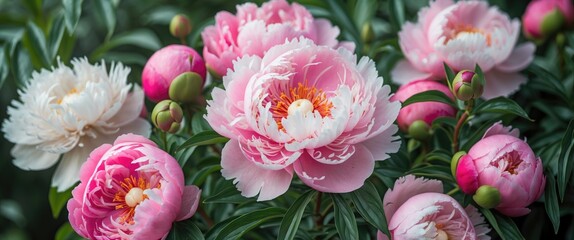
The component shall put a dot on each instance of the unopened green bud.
(487, 196)
(167, 116)
(467, 85)
(186, 87)
(454, 161)
(180, 26)
(552, 22)
(419, 130)
(367, 33)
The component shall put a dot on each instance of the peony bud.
(367, 33)
(419, 130)
(165, 65)
(179, 26)
(542, 19)
(467, 85)
(167, 116)
(424, 111)
(487, 197)
(186, 87)
(454, 161)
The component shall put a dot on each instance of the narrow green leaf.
(492, 220)
(202, 174)
(198, 123)
(66, 232)
(502, 105)
(551, 202)
(21, 64)
(508, 227)
(340, 16)
(228, 194)
(345, 221)
(364, 12)
(292, 219)
(3, 66)
(449, 75)
(55, 37)
(397, 12)
(429, 96)
(38, 41)
(72, 12)
(184, 230)
(202, 138)
(236, 228)
(369, 204)
(565, 160)
(107, 11)
(143, 38)
(548, 82)
(58, 200)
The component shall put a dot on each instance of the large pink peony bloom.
(503, 161)
(425, 111)
(165, 65)
(463, 34)
(416, 208)
(307, 108)
(131, 190)
(253, 30)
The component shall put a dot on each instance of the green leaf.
(548, 82)
(143, 38)
(229, 194)
(364, 11)
(202, 138)
(239, 226)
(565, 160)
(184, 230)
(504, 226)
(72, 12)
(38, 41)
(21, 64)
(198, 123)
(502, 105)
(397, 12)
(369, 204)
(340, 16)
(107, 11)
(66, 232)
(344, 218)
(202, 174)
(449, 75)
(429, 96)
(55, 37)
(292, 219)
(551, 202)
(58, 200)
(3, 66)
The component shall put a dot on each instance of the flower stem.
(206, 217)
(453, 191)
(457, 128)
(164, 140)
(318, 215)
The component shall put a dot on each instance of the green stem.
(453, 191)
(164, 140)
(468, 108)
(318, 215)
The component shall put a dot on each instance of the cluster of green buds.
(167, 115)
(467, 85)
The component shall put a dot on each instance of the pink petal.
(189, 202)
(498, 128)
(519, 59)
(384, 143)
(467, 175)
(501, 84)
(405, 188)
(336, 178)
(404, 72)
(133, 138)
(250, 178)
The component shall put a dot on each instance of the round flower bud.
(544, 18)
(179, 26)
(367, 33)
(167, 116)
(186, 87)
(467, 85)
(419, 130)
(487, 196)
(454, 161)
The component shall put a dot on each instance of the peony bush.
(371, 119)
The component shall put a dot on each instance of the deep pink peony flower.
(166, 64)
(306, 108)
(505, 162)
(544, 17)
(416, 208)
(131, 190)
(425, 111)
(253, 30)
(463, 34)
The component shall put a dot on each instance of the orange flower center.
(70, 93)
(462, 29)
(300, 99)
(130, 196)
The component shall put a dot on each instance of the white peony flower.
(69, 112)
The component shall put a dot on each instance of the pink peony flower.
(425, 111)
(505, 162)
(545, 17)
(253, 30)
(416, 208)
(463, 34)
(304, 108)
(131, 190)
(166, 64)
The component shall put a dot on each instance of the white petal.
(28, 157)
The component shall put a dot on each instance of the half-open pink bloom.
(131, 190)
(307, 108)
(166, 64)
(416, 208)
(253, 30)
(463, 34)
(503, 161)
(425, 111)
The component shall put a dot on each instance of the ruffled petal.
(518, 59)
(501, 84)
(405, 188)
(498, 128)
(404, 72)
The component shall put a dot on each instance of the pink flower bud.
(166, 64)
(179, 26)
(467, 85)
(425, 111)
(507, 163)
(542, 19)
